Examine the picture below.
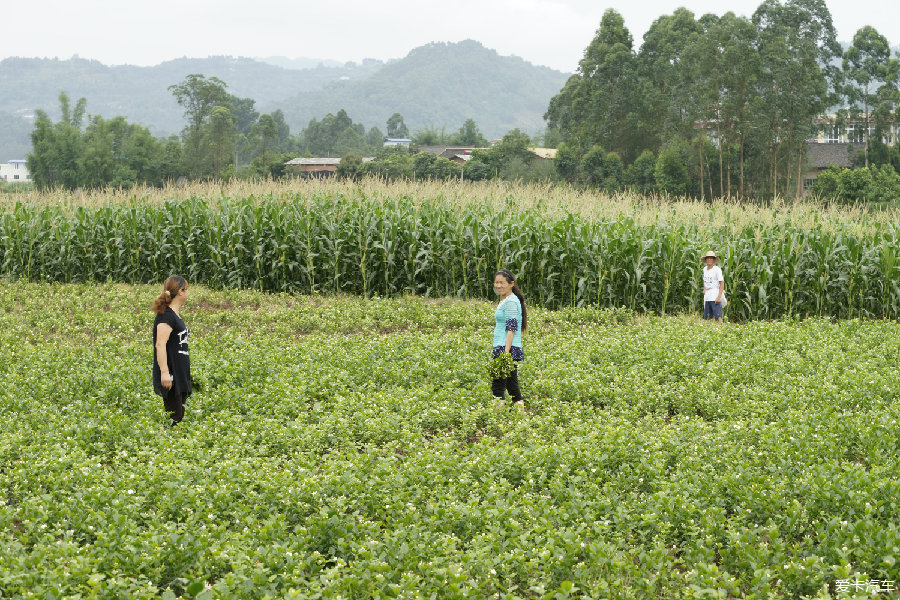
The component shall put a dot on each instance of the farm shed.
(447, 151)
(315, 167)
(821, 156)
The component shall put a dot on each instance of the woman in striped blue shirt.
(511, 319)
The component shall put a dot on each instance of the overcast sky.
(545, 32)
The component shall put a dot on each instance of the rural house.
(15, 171)
(821, 156)
(853, 131)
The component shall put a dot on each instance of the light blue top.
(508, 317)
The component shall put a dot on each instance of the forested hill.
(141, 93)
(436, 85)
(440, 84)
(15, 136)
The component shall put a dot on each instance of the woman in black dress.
(171, 361)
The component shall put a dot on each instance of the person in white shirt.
(713, 288)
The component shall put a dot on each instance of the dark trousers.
(711, 310)
(511, 383)
(174, 403)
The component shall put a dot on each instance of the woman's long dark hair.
(510, 278)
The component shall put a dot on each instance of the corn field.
(327, 244)
(550, 200)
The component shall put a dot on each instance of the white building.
(14, 171)
(853, 132)
(405, 142)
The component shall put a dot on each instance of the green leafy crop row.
(349, 447)
(377, 246)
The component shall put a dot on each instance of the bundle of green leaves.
(501, 367)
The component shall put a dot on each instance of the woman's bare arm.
(163, 331)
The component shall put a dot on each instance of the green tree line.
(224, 137)
(105, 152)
(510, 158)
(720, 105)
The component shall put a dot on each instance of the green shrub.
(865, 184)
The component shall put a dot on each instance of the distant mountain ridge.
(141, 93)
(440, 85)
(300, 63)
